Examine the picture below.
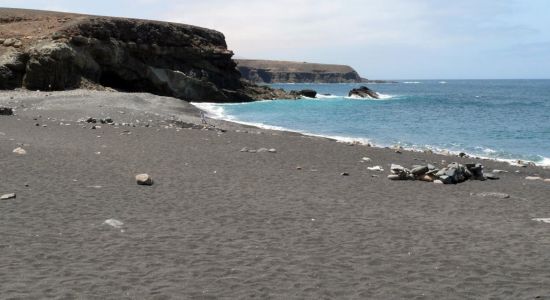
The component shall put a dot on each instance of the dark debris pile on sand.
(452, 174)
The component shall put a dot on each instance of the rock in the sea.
(19, 151)
(304, 93)
(6, 111)
(144, 179)
(364, 92)
(8, 196)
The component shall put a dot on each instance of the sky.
(381, 39)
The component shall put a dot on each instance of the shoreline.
(309, 220)
(210, 109)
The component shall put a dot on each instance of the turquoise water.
(500, 119)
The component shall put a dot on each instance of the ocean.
(498, 119)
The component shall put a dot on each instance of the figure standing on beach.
(203, 118)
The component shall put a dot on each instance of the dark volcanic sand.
(219, 223)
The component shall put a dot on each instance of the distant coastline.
(275, 71)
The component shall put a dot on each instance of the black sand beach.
(219, 223)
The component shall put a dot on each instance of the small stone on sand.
(533, 178)
(6, 111)
(19, 151)
(499, 171)
(494, 195)
(544, 220)
(8, 196)
(376, 168)
(114, 223)
(144, 179)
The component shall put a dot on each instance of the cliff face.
(266, 71)
(56, 51)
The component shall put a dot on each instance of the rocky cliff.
(56, 51)
(268, 71)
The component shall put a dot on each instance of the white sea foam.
(544, 162)
(321, 96)
(443, 82)
(213, 110)
(412, 82)
(381, 97)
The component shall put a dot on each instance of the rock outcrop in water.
(363, 92)
(42, 50)
(267, 71)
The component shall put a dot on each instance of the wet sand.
(223, 224)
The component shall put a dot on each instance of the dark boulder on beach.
(66, 51)
(364, 92)
(6, 111)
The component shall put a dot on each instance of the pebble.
(438, 182)
(144, 179)
(6, 111)
(499, 171)
(394, 177)
(366, 159)
(19, 151)
(491, 176)
(345, 174)
(272, 150)
(543, 220)
(8, 196)
(114, 223)
(533, 178)
(376, 168)
(494, 195)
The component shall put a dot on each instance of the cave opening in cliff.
(113, 80)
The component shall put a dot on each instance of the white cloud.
(252, 26)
